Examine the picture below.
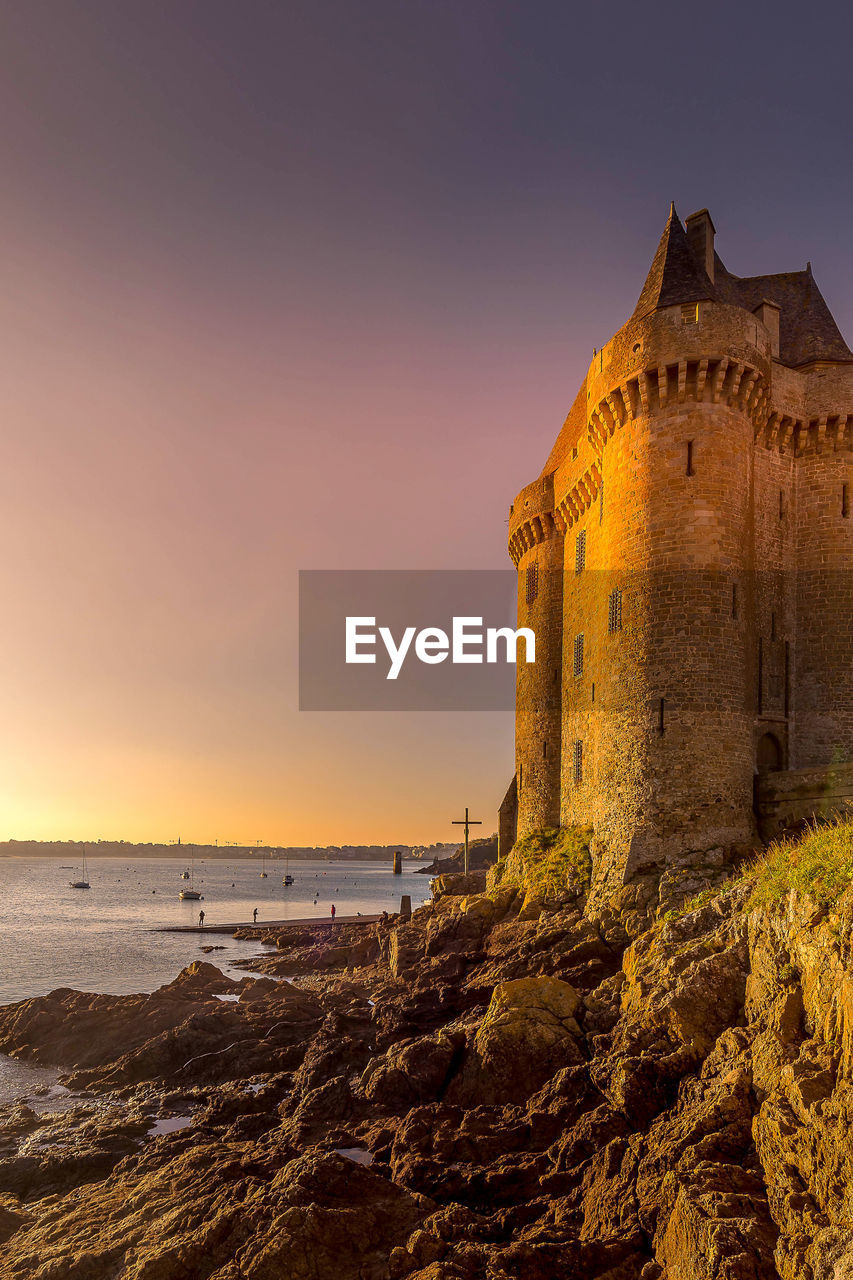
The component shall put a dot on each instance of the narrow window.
(578, 763)
(532, 583)
(781, 505)
(544, 750)
(578, 667)
(580, 551)
(773, 626)
(690, 457)
(614, 611)
(593, 691)
(845, 500)
(575, 452)
(734, 601)
(661, 716)
(690, 313)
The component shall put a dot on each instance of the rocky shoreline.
(507, 1086)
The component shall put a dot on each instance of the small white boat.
(192, 894)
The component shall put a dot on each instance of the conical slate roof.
(807, 329)
(675, 275)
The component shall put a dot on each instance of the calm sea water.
(102, 939)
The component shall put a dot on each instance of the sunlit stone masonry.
(684, 558)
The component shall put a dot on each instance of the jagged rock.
(567, 1096)
(529, 1033)
(12, 1217)
(212, 1211)
(413, 1073)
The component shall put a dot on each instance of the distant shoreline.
(201, 853)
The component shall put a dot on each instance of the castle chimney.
(700, 234)
(768, 313)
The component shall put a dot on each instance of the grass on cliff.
(550, 862)
(818, 863)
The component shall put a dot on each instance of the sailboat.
(83, 882)
(192, 894)
(287, 878)
(263, 866)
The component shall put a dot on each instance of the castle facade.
(685, 561)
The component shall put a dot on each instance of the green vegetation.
(819, 864)
(550, 862)
(696, 903)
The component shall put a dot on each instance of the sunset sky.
(312, 285)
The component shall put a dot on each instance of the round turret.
(538, 553)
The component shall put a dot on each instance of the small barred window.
(578, 668)
(690, 313)
(614, 611)
(580, 551)
(532, 583)
(578, 763)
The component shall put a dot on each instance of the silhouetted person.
(201, 919)
(333, 913)
(255, 916)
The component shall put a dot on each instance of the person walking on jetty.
(255, 916)
(201, 919)
(333, 913)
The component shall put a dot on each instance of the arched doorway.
(768, 755)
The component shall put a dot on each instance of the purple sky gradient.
(312, 286)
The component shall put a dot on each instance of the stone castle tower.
(684, 559)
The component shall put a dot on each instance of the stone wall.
(794, 796)
(714, 506)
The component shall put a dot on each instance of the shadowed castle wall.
(538, 690)
(824, 675)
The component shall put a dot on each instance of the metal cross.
(466, 822)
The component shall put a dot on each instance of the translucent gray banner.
(426, 631)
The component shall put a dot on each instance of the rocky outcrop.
(220, 1211)
(504, 1086)
(184, 1030)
